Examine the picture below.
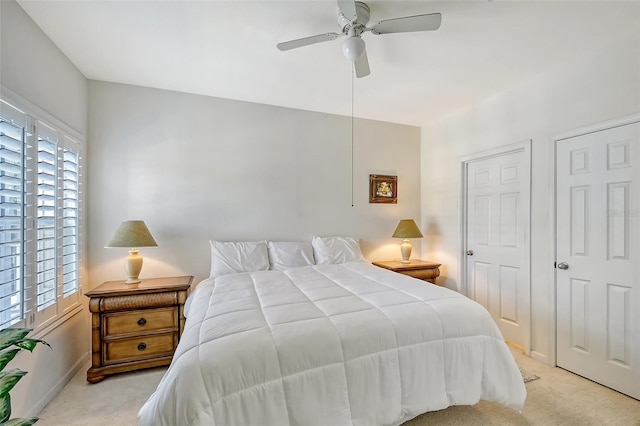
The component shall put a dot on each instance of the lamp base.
(133, 266)
(405, 249)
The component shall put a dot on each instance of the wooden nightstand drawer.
(140, 321)
(139, 348)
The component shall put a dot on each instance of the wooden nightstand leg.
(182, 298)
(94, 379)
(96, 346)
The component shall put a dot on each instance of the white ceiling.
(228, 49)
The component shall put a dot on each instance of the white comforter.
(330, 345)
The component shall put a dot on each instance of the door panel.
(619, 343)
(481, 283)
(509, 294)
(579, 314)
(481, 221)
(508, 220)
(497, 219)
(598, 296)
(580, 197)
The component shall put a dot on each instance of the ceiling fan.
(353, 17)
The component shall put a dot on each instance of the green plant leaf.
(21, 422)
(30, 344)
(9, 378)
(9, 336)
(5, 407)
(7, 355)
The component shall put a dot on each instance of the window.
(39, 220)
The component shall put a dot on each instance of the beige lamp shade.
(406, 229)
(133, 234)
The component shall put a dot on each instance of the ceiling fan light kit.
(353, 48)
(353, 17)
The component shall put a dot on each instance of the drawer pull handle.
(142, 321)
(142, 346)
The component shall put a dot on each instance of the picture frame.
(383, 189)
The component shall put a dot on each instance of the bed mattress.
(341, 344)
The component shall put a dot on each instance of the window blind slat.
(14, 194)
(10, 131)
(9, 168)
(10, 181)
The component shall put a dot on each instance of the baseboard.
(48, 397)
(540, 357)
(516, 345)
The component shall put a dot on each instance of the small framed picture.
(383, 189)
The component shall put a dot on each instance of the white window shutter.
(46, 190)
(39, 221)
(12, 215)
(70, 221)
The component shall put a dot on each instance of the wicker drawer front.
(140, 321)
(140, 348)
(423, 274)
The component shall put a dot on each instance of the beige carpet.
(557, 397)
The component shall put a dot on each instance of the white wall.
(33, 68)
(600, 86)
(196, 168)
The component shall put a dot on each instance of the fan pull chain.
(352, 159)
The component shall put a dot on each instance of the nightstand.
(421, 269)
(135, 328)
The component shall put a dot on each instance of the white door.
(497, 240)
(597, 288)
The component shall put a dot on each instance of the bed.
(344, 343)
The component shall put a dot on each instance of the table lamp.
(406, 229)
(133, 234)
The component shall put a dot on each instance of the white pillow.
(286, 255)
(232, 257)
(336, 250)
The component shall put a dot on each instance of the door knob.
(563, 265)
(469, 252)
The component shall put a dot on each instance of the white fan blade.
(348, 9)
(288, 45)
(408, 24)
(361, 66)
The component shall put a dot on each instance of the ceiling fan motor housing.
(362, 12)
